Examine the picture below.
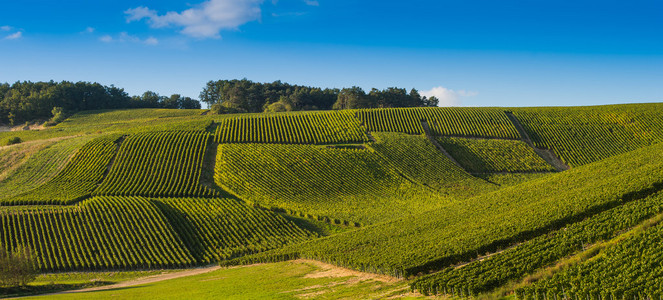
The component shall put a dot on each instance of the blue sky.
(467, 52)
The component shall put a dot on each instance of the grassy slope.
(442, 237)
(286, 280)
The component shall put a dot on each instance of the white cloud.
(124, 37)
(205, 20)
(312, 2)
(14, 36)
(448, 97)
(5, 28)
(89, 30)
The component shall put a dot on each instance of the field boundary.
(547, 154)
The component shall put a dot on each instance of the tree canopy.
(247, 96)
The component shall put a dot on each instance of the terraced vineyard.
(452, 201)
(77, 180)
(452, 121)
(347, 185)
(515, 263)
(99, 233)
(36, 168)
(492, 156)
(220, 229)
(310, 128)
(581, 135)
(418, 159)
(499, 219)
(145, 162)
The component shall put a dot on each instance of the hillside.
(413, 193)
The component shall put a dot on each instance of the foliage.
(436, 239)
(13, 141)
(581, 135)
(449, 121)
(492, 155)
(50, 157)
(248, 96)
(337, 184)
(513, 264)
(309, 128)
(77, 180)
(418, 159)
(16, 266)
(158, 164)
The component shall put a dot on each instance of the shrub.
(13, 140)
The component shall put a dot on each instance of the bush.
(13, 140)
(17, 268)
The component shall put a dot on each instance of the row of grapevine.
(353, 185)
(514, 264)
(439, 238)
(98, 233)
(158, 164)
(78, 178)
(40, 167)
(581, 135)
(219, 229)
(631, 269)
(491, 155)
(449, 121)
(302, 128)
(418, 159)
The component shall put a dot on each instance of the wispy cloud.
(89, 30)
(124, 37)
(5, 28)
(204, 20)
(448, 97)
(312, 2)
(14, 36)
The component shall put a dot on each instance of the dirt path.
(327, 270)
(547, 155)
(144, 280)
(430, 137)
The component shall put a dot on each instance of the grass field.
(285, 280)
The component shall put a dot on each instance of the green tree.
(17, 267)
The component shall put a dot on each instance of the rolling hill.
(528, 202)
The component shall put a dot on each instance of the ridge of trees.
(229, 96)
(28, 101)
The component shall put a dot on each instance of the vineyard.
(40, 167)
(492, 156)
(581, 135)
(311, 128)
(145, 162)
(342, 185)
(459, 202)
(418, 159)
(514, 264)
(499, 219)
(77, 180)
(452, 121)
